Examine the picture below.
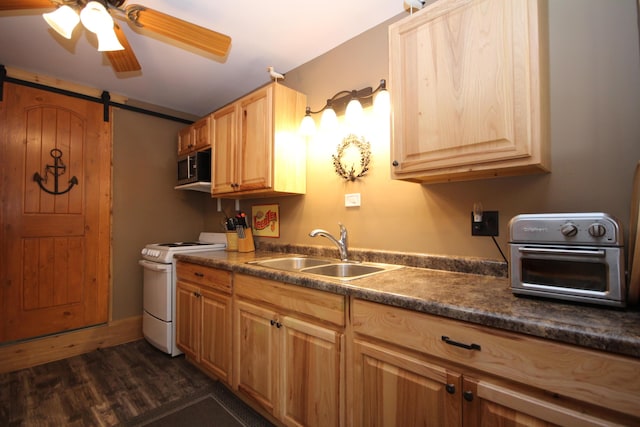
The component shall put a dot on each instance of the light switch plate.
(352, 200)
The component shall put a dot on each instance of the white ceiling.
(281, 33)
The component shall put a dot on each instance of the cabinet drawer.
(204, 276)
(599, 378)
(321, 305)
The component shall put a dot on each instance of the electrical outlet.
(488, 226)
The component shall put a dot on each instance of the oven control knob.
(597, 230)
(569, 229)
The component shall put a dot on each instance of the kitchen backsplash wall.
(595, 138)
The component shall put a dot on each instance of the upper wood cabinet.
(469, 89)
(257, 150)
(195, 136)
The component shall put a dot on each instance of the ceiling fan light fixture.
(95, 17)
(63, 20)
(108, 41)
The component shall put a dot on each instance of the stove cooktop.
(164, 252)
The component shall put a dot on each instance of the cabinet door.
(255, 151)
(188, 319)
(312, 374)
(256, 352)
(215, 353)
(224, 150)
(394, 389)
(468, 90)
(487, 404)
(185, 140)
(201, 133)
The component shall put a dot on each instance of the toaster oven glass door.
(589, 274)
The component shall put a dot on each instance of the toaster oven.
(570, 256)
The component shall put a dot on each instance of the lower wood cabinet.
(416, 369)
(287, 350)
(396, 389)
(288, 353)
(203, 312)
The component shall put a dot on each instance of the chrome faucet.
(341, 244)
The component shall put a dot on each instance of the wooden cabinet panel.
(188, 320)
(223, 174)
(548, 365)
(488, 403)
(581, 381)
(394, 389)
(305, 302)
(257, 148)
(194, 137)
(215, 349)
(289, 350)
(256, 353)
(311, 374)
(469, 90)
(213, 278)
(204, 318)
(255, 156)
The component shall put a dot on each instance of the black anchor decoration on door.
(57, 169)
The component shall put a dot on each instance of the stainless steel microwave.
(194, 167)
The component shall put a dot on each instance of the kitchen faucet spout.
(340, 243)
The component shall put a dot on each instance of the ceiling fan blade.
(25, 4)
(177, 29)
(123, 60)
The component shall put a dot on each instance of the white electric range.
(159, 287)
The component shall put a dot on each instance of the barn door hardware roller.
(57, 169)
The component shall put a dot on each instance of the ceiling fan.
(96, 17)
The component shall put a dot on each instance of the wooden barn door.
(55, 248)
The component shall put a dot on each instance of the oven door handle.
(154, 266)
(596, 253)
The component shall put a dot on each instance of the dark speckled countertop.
(480, 294)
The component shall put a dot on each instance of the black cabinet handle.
(451, 388)
(198, 274)
(275, 323)
(461, 345)
(468, 395)
(395, 163)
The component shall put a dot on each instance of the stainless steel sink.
(291, 263)
(326, 267)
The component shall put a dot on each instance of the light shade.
(96, 19)
(308, 126)
(382, 104)
(108, 41)
(354, 116)
(64, 19)
(329, 120)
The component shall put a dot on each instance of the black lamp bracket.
(340, 100)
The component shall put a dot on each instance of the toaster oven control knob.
(569, 229)
(597, 230)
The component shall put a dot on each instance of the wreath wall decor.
(351, 174)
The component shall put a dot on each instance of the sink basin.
(325, 267)
(345, 270)
(291, 263)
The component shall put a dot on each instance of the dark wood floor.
(107, 387)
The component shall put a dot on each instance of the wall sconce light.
(94, 17)
(348, 102)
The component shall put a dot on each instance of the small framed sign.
(265, 220)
